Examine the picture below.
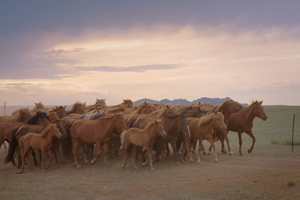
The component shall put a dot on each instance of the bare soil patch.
(263, 174)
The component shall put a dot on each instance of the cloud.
(141, 68)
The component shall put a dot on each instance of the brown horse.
(97, 132)
(60, 111)
(203, 129)
(174, 125)
(18, 132)
(141, 137)
(243, 122)
(6, 129)
(42, 142)
(22, 115)
(77, 108)
(226, 108)
(39, 107)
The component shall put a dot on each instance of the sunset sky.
(60, 52)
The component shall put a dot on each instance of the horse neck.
(45, 132)
(19, 118)
(207, 126)
(173, 125)
(249, 115)
(108, 123)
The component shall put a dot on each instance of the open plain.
(263, 174)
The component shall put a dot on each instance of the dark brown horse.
(242, 121)
(60, 111)
(141, 137)
(97, 132)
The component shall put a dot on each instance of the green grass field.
(277, 129)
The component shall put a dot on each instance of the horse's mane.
(34, 119)
(172, 116)
(222, 108)
(208, 118)
(45, 131)
(76, 104)
(253, 103)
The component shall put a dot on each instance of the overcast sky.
(60, 52)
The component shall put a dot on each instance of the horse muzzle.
(265, 118)
(164, 134)
(59, 136)
(224, 128)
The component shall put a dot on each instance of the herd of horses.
(134, 131)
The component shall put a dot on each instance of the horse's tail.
(123, 139)
(12, 146)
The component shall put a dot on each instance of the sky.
(61, 52)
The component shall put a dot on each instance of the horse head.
(160, 128)
(55, 131)
(219, 121)
(183, 126)
(258, 110)
(60, 111)
(55, 119)
(120, 124)
(24, 113)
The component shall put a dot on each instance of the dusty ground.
(263, 174)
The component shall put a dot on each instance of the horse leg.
(105, 151)
(240, 143)
(19, 158)
(51, 158)
(127, 151)
(149, 152)
(228, 146)
(185, 150)
(200, 150)
(27, 157)
(134, 153)
(253, 141)
(98, 151)
(85, 152)
(74, 151)
(43, 160)
(173, 144)
(23, 160)
(214, 149)
(34, 158)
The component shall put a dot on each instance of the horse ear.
(216, 112)
(261, 102)
(65, 106)
(35, 103)
(84, 104)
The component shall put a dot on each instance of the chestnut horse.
(77, 108)
(174, 125)
(97, 132)
(22, 115)
(143, 138)
(243, 122)
(60, 111)
(6, 129)
(203, 129)
(18, 132)
(42, 142)
(226, 108)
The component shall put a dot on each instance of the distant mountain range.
(215, 101)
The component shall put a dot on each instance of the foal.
(42, 142)
(141, 137)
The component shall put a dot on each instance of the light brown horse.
(141, 137)
(42, 142)
(243, 122)
(97, 132)
(203, 129)
(77, 108)
(226, 108)
(39, 107)
(22, 115)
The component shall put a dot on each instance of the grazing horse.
(97, 132)
(203, 129)
(22, 115)
(42, 142)
(141, 137)
(174, 125)
(60, 111)
(243, 122)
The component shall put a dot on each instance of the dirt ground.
(263, 174)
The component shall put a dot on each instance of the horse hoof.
(241, 154)
(224, 151)
(249, 150)
(204, 153)
(199, 162)
(86, 161)
(136, 168)
(191, 161)
(43, 171)
(21, 172)
(230, 153)
(78, 166)
(152, 169)
(177, 163)
(210, 153)
(216, 160)
(123, 166)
